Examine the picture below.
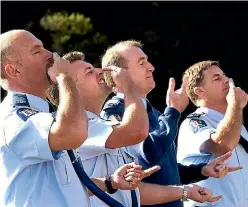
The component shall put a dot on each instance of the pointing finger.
(172, 84)
(150, 171)
(231, 83)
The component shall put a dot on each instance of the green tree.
(74, 32)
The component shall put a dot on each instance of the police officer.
(33, 171)
(214, 129)
(159, 147)
(102, 152)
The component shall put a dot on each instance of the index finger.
(109, 69)
(224, 157)
(231, 83)
(172, 84)
(150, 171)
(214, 199)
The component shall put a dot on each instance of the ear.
(198, 91)
(11, 71)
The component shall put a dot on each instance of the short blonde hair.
(196, 77)
(113, 55)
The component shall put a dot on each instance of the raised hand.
(60, 66)
(236, 96)
(218, 168)
(118, 78)
(177, 99)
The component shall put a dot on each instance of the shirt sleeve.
(28, 139)
(192, 134)
(162, 137)
(98, 133)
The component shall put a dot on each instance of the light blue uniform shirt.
(194, 131)
(31, 175)
(99, 161)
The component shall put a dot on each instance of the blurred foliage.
(73, 32)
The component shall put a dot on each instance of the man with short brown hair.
(215, 128)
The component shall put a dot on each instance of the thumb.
(231, 83)
(150, 171)
(172, 84)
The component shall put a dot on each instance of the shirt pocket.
(64, 169)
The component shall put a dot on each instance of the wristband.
(109, 186)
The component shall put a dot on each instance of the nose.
(49, 54)
(150, 67)
(226, 79)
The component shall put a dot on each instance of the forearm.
(70, 127)
(151, 194)
(135, 115)
(228, 131)
(70, 111)
(100, 182)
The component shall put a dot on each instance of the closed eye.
(37, 52)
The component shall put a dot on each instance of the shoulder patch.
(197, 124)
(25, 113)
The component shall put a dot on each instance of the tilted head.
(24, 63)
(129, 55)
(207, 84)
(89, 81)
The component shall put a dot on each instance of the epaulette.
(195, 115)
(25, 113)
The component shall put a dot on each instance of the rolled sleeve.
(98, 133)
(29, 140)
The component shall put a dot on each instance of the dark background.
(175, 34)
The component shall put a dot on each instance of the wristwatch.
(185, 193)
(109, 186)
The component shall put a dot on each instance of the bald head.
(24, 63)
(8, 41)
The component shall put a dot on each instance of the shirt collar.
(91, 115)
(121, 95)
(217, 116)
(34, 102)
